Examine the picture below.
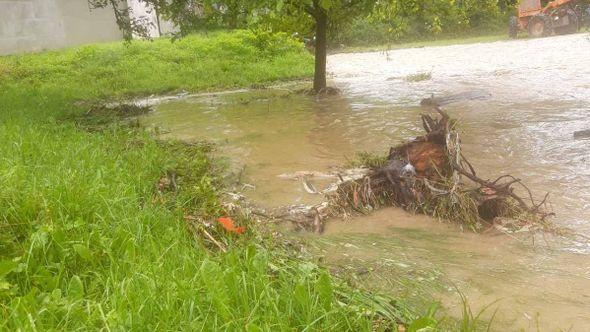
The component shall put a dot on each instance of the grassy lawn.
(88, 240)
(441, 41)
(444, 41)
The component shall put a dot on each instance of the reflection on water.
(525, 128)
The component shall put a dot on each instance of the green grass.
(367, 159)
(196, 63)
(88, 242)
(442, 41)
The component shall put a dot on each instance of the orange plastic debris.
(228, 224)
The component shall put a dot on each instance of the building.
(36, 25)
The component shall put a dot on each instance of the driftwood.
(428, 175)
(582, 134)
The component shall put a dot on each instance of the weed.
(419, 77)
(471, 322)
(367, 159)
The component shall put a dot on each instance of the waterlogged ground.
(540, 95)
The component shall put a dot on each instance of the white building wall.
(82, 25)
(36, 25)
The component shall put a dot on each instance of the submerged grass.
(418, 77)
(88, 241)
(367, 159)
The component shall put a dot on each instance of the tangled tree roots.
(429, 175)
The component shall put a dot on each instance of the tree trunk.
(321, 46)
(157, 13)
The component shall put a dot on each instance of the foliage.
(191, 15)
(471, 321)
(351, 22)
(411, 20)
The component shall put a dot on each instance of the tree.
(325, 14)
(191, 15)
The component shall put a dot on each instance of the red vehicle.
(558, 16)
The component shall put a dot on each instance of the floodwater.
(539, 95)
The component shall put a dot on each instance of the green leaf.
(253, 328)
(76, 288)
(6, 267)
(83, 251)
(260, 262)
(4, 285)
(56, 294)
(307, 269)
(325, 291)
(326, 4)
(423, 324)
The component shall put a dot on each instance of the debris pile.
(428, 175)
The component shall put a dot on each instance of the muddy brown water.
(540, 95)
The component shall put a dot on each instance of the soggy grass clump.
(367, 159)
(419, 77)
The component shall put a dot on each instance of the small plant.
(101, 117)
(427, 322)
(471, 322)
(419, 77)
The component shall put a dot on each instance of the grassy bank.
(433, 42)
(108, 71)
(90, 241)
(442, 41)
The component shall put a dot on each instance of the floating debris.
(428, 175)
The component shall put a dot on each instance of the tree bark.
(321, 46)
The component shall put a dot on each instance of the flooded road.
(540, 95)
